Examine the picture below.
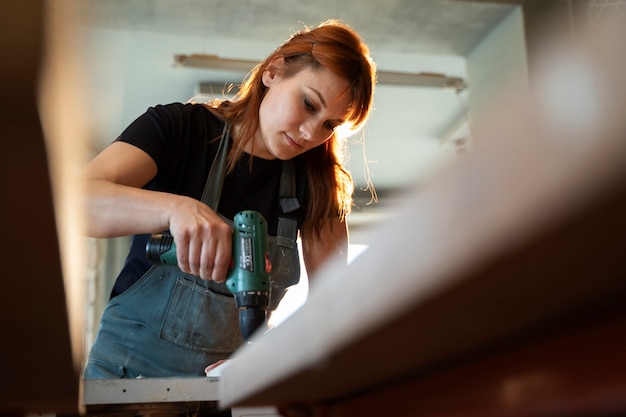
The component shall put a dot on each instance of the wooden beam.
(410, 79)
(493, 1)
(38, 373)
(516, 249)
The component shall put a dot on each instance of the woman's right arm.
(116, 205)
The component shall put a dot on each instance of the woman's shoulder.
(190, 108)
(194, 118)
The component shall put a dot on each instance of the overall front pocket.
(201, 319)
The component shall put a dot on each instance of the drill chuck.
(252, 307)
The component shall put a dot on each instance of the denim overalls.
(174, 324)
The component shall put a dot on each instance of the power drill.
(249, 276)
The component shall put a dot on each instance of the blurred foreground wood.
(496, 290)
(39, 374)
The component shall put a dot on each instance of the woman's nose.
(310, 130)
(304, 132)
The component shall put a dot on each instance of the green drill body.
(251, 265)
(249, 276)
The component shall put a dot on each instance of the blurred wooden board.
(373, 323)
(521, 240)
(38, 373)
(146, 396)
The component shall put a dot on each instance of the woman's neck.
(254, 147)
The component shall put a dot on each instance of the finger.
(196, 248)
(214, 365)
(223, 256)
(207, 258)
(182, 253)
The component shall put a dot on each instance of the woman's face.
(300, 112)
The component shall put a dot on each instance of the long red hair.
(333, 45)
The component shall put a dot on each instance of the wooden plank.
(375, 321)
(143, 396)
(38, 373)
(576, 371)
(520, 238)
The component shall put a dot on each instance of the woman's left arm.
(332, 243)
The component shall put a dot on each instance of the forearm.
(331, 244)
(117, 205)
(114, 210)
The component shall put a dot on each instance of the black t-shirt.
(183, 140)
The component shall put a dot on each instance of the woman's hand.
(203, 240)
(212, 370)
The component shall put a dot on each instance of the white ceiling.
(443, 27)
(408, 125)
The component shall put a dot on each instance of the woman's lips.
(293, 143)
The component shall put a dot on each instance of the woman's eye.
(308, 105)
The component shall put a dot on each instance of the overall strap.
(213, 190)
(215, 180)
(287, 223)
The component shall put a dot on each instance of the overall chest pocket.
(285, 267)
(201, 319)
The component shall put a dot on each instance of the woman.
(189, 168)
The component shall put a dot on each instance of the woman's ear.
(272, 70)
